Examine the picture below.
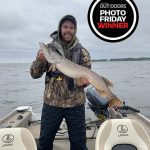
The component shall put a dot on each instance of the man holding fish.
(64, 97)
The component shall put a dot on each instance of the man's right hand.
(41, 56)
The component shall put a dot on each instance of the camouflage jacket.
(56, 90)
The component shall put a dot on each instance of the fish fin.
(52, 67)
(102, 93)
(43, 45)
(115, 102)
(77, 81)
(108, 82)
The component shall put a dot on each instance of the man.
(63, 97)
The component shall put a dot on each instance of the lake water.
(131, 83)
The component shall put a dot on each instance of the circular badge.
(122, 129)
(113, 20)
(8, 138)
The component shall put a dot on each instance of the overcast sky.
(23, 23)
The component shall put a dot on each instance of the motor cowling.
(96, 103)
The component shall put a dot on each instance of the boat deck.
(61, 140)
(25, 119)
(64, 144)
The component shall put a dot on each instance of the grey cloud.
(23, 23)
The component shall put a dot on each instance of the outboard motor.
(97, 103)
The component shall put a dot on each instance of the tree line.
(123, 59)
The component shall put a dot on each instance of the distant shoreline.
(123, 59)
(94, 60)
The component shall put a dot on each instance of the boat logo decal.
(8, 138)
(122, 129)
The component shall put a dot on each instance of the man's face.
(67, 31)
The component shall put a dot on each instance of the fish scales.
(75, 71)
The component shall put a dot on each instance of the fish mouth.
(42, 44)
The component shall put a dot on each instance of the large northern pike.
(75, 71)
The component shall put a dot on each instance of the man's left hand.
(82, 81)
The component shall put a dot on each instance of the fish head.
(50, 55)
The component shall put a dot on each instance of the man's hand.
(41, 56)
(82, 82)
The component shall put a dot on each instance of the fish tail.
(112, 99)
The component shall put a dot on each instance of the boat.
(128, 124)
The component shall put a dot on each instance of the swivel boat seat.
(16, 139)
(122, 134)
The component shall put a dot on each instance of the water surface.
(131, 83)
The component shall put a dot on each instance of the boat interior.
(111, 129)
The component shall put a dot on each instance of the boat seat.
(122, 134)
(16, 139)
